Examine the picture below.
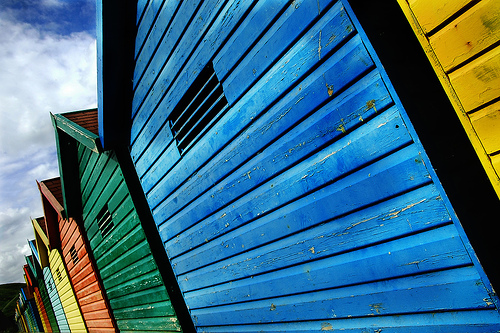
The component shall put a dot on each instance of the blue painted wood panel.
(62, 322)
(310, 203)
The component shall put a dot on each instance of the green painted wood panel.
(132, 282)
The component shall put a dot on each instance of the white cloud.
(41, 73)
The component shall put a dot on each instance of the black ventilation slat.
(104, 221)
(204, 123)
(195, 113)
(200, 96)
(74, 255)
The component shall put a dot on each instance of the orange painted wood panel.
(89, 295)
(42, 311)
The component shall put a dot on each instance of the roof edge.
(79, 133)
(44, 190)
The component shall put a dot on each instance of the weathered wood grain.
(375, 298)
(478, 82)
(468, 35)
(432, 13)
(486, 122)
(310, 194)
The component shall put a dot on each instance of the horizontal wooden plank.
(324, 125)
(453, 289)
(325, 130)
(431, 13)
(189, 28)
(150, 30)
(341, 197)
(486, 123)
(150, 61)
(55, 300)
(333, 28)
(158, 169)
(120, 206)
(393, 218)
(147, 278)
(88, 162)
(378, 137)
(258, 20)
(169, 324)
(455, 321)
(305, 52)
(141, 7)
(174, 86)
(142, 296)
(436, 249)
(125, 252)
(471, 33)
(148, 309)
(104, 171)
(144, 159)
(478, 82)
(287, 112)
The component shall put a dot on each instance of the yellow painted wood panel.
(431, 13)
(486, 122)
(478, 82)
(66, 293)
(495, 160)
(468, 87)
(469, 34)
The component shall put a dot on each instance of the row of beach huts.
(272, 166)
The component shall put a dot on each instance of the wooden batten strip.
(50, 198)
(41, 233)
(78, 132)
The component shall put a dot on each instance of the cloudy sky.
(47, 65)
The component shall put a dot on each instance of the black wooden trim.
(116, 33)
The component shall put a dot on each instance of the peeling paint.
(371, 105)
(326, 327)
(319, 46)
(396, 213)
(329, 88)
(376, 307)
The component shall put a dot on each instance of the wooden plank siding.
(462, 41)
(34, 263)
(51, 194)
(66, 293)
(129, 274)
(31, 304)
(307, 202)
(81, 269)
(45, 253)
(62, 322)
(132, 283)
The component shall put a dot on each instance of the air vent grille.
(74, 255)
(200, 107)
(104, 221)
